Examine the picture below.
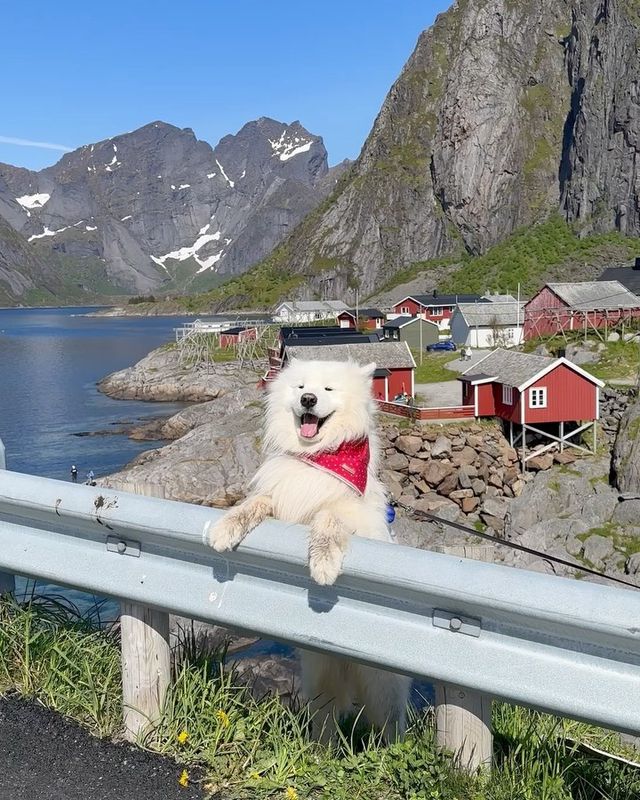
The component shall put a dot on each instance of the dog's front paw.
(225, 534)
(325, 564)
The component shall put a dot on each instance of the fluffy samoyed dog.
(321, 470)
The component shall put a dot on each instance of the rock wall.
(456, 471)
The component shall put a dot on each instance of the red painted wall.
(379, 389)
(570, 398)
(415, 309)
(486, 403)
(397, 378)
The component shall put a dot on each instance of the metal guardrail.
(559, 645)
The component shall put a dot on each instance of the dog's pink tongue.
(309, 426)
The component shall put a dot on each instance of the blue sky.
(77, 72)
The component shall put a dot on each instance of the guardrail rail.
(559, 645)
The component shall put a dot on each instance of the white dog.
(321, 470)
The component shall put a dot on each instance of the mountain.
(156, 210)
(507, 114)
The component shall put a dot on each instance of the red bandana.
(349, 463)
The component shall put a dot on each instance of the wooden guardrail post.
(7, 582)
(463, 717)
(146, 666)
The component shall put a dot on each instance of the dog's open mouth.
(310, 425)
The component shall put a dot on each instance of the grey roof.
(499, 298)
(370, 313)
(385, 354)
(627, 276)
(477, 377)
(400, 322)
(489, 314)
(509, 366)
(438, 300)
(595, 295)
(315, 305)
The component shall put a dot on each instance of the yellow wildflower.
(290, 793)
(255, 776)
(183, 780)
(223, 718)
(182, 737)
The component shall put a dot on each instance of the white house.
(295, 311)
(493, 324)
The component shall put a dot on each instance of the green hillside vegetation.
(530, 257)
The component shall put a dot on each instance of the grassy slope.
(530, 257)
(260, 749)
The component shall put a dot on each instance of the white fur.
(287, 488)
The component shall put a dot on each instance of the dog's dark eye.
(328, 389)
(301, 387)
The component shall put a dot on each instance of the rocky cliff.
(506, 112)
(156, 209)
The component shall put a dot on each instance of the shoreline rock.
(161, 377)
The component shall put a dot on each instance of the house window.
(437, 311)
(538, 398)
(507, 395)
(396, 334)
(378, 323)
(405, 310)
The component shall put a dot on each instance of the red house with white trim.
(434, 307)
(559, 307)
(551, 397)
(369, 319)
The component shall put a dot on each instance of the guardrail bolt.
(122, 547)
(455, 623)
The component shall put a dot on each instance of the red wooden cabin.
(370, 319)
(233, 336)
(551, 397)
(587, 305)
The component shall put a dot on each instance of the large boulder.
(211, 464)
(625, 462)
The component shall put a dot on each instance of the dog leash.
(426, 516)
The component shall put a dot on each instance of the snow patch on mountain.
(191, 252)
(224, 174)
(287, 147)
(33, 200)
(47, 232)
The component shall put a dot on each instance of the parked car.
(447, 344)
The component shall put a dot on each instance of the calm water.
(50, 361)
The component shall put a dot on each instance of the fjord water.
(50, 361)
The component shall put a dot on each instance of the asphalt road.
(46, 757)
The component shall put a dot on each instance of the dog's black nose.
(308, 400)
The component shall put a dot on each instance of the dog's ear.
(368, 370)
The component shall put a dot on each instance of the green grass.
(624, 544)
(433, 369)
(253, 748)
(536, 254)
(618, 361)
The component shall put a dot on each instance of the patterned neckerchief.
(349, 463)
